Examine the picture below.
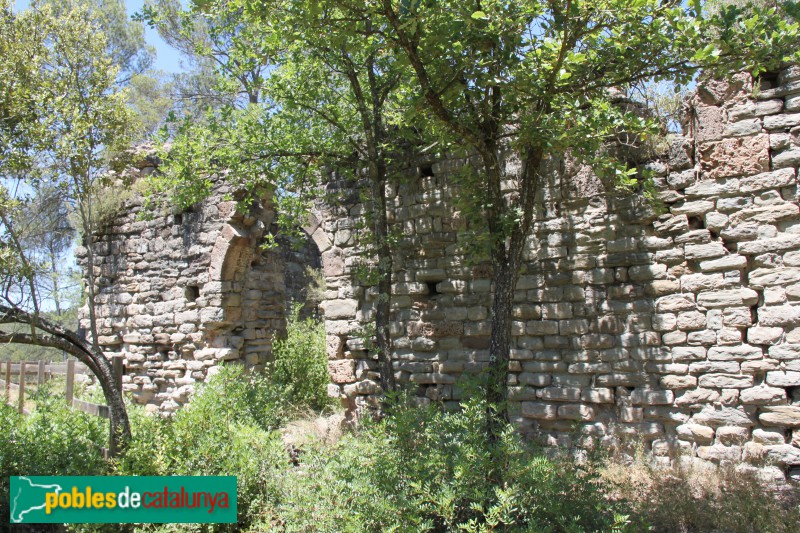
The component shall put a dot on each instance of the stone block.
(779, 315)
(719, 453)
(671, 225)
(767, 277)
(676, 302)
(539, 410)
(762, 436)
(534, 380)
(712, 367)
(647, 272)
(775, 244)
(691, 320)
(764, 335)
(693, 208)
(704, 337)
(564, 394)
(734, 157)
(785, 352)
(688, 353)
(342, 370)
(696, 252)
(788, 158)
(782, 122)
(697, 397)
(664, 322)
(783, 455)
(768, 180)
(696, 433)
(783, 379)
(701, 282)
(728, 298)
(717, 416)
(734, 353)
(763, 395)
(725, 381)
(768, 214)
(781, 416)
(737, 317)
(598, 395)
(678, 382)
(337, 309)
(582, 413)
(652, 397)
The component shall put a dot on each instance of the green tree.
(124, 38)
(213, 44)
(535, 77)
(63, 114)
(329, 101)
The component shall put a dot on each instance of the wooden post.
(70, 388)
(117, 367)
(8, 381)
(40, 375)
(22, 387)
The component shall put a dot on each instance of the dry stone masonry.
(181, 292)
(680, 326)
(678, 323)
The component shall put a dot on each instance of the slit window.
(432, 290)
(191, 293)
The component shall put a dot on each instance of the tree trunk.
(55, 336)
(383, 338)
(500, 337)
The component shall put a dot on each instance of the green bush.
(301, 364)
(53, 441)
(428, 470)
(225, 430)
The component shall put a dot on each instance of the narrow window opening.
(426, 171)
(432, 290)
(178, 219)
(696, 223)
(192, 293)
(768, 80)
(793, 472)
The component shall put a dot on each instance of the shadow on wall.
(680, 328)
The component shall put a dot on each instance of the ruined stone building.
(680, 325)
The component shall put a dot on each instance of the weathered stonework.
(680, 327)
(181, 292)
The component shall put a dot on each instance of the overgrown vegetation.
(418, 469)
(301, 364)
(54, 440)
(688, 495)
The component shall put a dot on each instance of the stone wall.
(181, 292)
(679, 326)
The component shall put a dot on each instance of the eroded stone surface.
(679, 326)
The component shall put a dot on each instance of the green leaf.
(480, 15)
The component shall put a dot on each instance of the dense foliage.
(301, 362)
(419, 469)
(54, 440)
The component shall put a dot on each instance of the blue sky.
(167, 59)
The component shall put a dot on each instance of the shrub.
(688, 495)
(301, 364)
(53, 441)
(225, 430)
(428, 470)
